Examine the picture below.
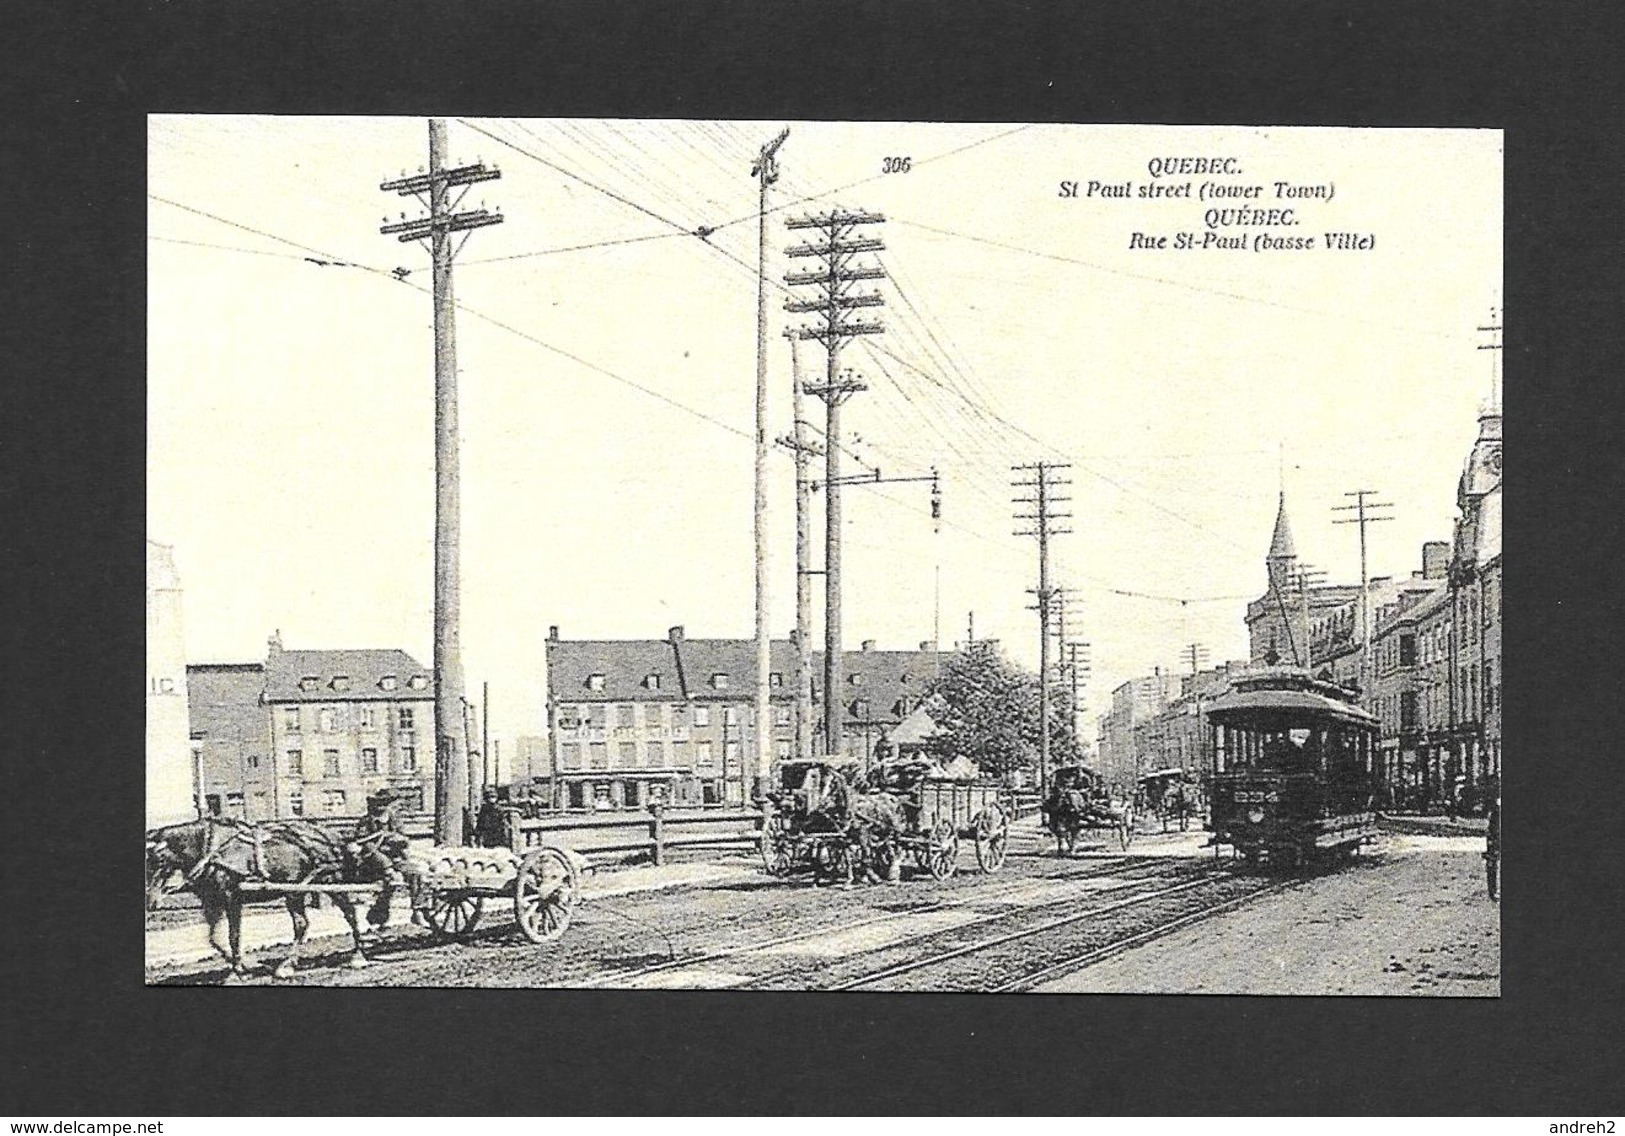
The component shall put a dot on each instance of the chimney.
(795, 637)
(553, 633)
(675, 634)
(1435, 559)
(868, 644)
(273, 645)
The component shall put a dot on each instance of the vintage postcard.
(888, 556)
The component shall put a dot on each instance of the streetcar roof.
(1242, 704)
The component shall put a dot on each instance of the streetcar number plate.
(1257, 796)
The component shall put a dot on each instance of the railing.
(653, 832)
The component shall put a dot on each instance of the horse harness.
(255, 834)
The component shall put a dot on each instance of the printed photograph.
(779, 555)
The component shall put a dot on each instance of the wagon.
(939, 812)
(1075, 800)
(450, 886)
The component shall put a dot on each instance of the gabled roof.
(287, 672)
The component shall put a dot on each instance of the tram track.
(1115, 866)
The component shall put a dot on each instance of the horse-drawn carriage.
(1076, 799)
(1168, 794)
(228, 862)
(829, 821)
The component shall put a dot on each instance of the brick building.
(633, 720)
(312, 733)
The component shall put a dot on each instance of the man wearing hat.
(377, 837)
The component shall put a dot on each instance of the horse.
(214, 856)
(873, 822)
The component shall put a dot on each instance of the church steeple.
(1281, 547)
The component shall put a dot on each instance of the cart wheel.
(545, 894)
(992, 838)
(776, 847)
(942, 850)
(453, 915)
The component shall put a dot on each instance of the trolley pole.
(836, 246)
(433, 190)
(766, 172)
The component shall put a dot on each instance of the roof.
(223, 701)
(1281, 547)
(288, 675)
(1287, 702)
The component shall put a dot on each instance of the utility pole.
(1363, 518)
(1305, 578)
(433, 190)
(1077, 668)
(1045, 483)
(804, 451)
(766, 172)
(485, 733)
(1197, 654)
(836, 247)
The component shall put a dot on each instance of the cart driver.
(378, 842)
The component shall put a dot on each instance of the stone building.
(634, 720)
(1125, 740)
(313, 733)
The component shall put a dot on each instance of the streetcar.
(1293, 768)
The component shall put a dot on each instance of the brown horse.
(213, 857)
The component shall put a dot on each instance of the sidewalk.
(267, 927)
(1433, 825)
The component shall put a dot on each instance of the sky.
(607, 366)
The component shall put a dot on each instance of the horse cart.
(820, 821)
(1170, 795)
(229, 862)
(1076, 799)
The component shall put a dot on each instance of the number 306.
(895, 165)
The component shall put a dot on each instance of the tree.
(987, 709)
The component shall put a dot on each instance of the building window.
(860, 708)
(570, 755)
(651, 681)
(340, 682)
(418, 682)
(253, 761)
(595, 682)
(410, 798)
(309, 682)
(327, 720)
(409, 759)
(654, 715)
(625, 715)
(290, 719)
(781, 715)
(296, 762)
(783, 751)
(702, 754)
(1407, 709)
(369, 761)
(368, 717)
(719, 681)
(679, 754)
(775, 679)
(1407, 650)
(702, 715)
(598, 755)
(333, 801)
(388, 682)
(296, 805)
(627, 755)
(1489, 689)
(855, 679)
(654, 754)
(403, 718)
(730, 716)
(330, 763)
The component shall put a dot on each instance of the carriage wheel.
(453, 915)
(776, 846)
(992, 838)
(545, 894)
(942, 850)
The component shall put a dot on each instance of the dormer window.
(596, 681)
(651, 681)
(418, 682)
(719, 681)
(388, 682)
(855, 679)
(340, 682)
(309, 682)
(775, 679)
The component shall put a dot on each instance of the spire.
(1281, 544)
